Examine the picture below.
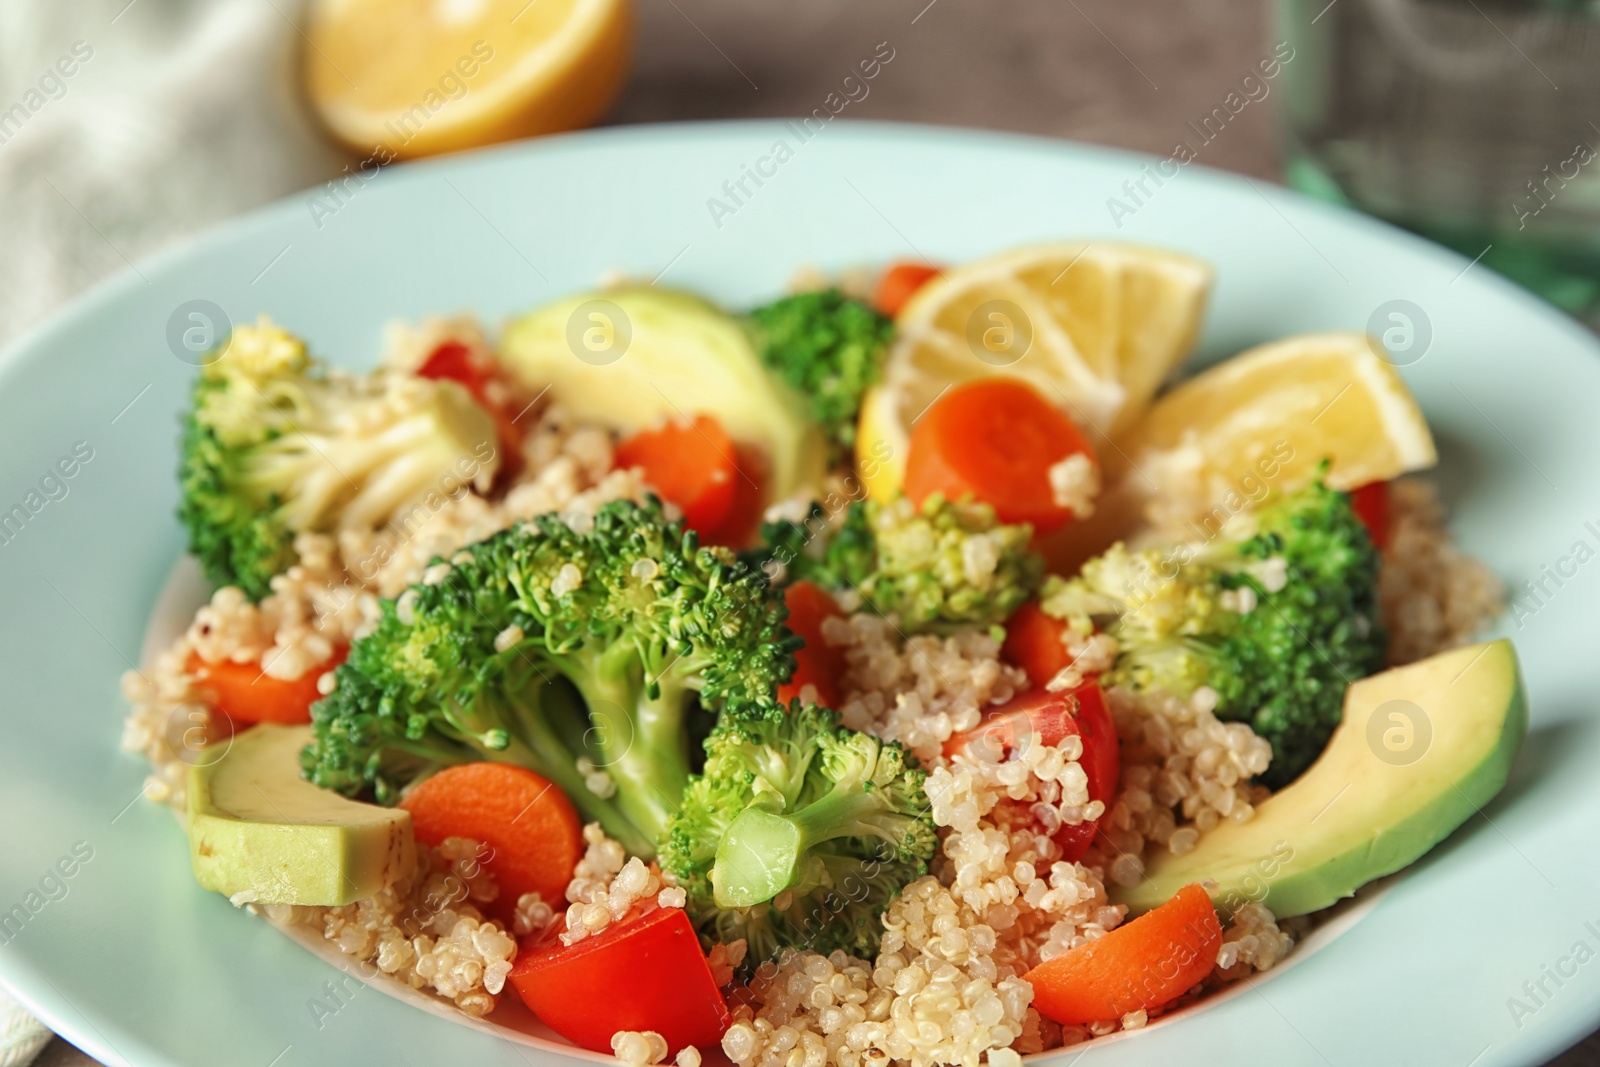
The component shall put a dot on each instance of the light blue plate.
(129, 959)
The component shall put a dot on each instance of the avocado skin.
(1293, 873)
(293, 843)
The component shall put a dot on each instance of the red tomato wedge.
(691, 463)
(452, 361)
(815, 663)
(244, 693)
(1371, 505)
(994, 440)
(1044, 718)
(1145, 964)
(743, 521)
(642, 974)
(899, 284)
(530, 827)
(1033, 642)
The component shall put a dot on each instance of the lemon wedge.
(414, 77)
(1095, 327)
(1264, 420)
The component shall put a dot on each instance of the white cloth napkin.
(124, 125)
(21, 1035)
(127, 123)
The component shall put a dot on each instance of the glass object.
(1472, 122)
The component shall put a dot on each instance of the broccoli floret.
(1277, 616)
(939, 567)
(275, 444)
(828, 348)
(835, 552)
(798, 833)
(544, 645)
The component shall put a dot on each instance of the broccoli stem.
(661, 725)
(542, 740)
(763, 853)
(638, 740)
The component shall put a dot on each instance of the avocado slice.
(1420, 749)
(257, 827)
(631, 358)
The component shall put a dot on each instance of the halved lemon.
(1266, 419)
(415, 77)
(1094, 326)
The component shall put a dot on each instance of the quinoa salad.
(922, 667)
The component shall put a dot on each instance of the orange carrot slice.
(691, 463)
(1150, 962)
(245, 693)
(994, 440)
(530, 827)
(816, 663)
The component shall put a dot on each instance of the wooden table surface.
(1128, 73)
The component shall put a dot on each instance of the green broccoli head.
(939, 567)
(1277, 616)
(827, 347)
(833, 551)
(1169, 618)
(544, 645)
(277, 444)
(798, 833)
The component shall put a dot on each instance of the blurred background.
(188, 111)
(127, 124)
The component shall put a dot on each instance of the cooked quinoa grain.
(607, 886)
(1184, 772)
(1075, 484)
(532, 916)
(1432, 595)
(920, 691)
(1090, 654)
(725, 959)
(1001, 865)
(169, 723)
(817, 1010)
(427, 929)
(637, 1048)
(1252, 942)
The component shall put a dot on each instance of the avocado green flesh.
(683, 357)
(1354, 816)
(257, 827)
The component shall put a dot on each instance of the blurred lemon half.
(1266, 419)
(1095, 327)
(415, 77)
